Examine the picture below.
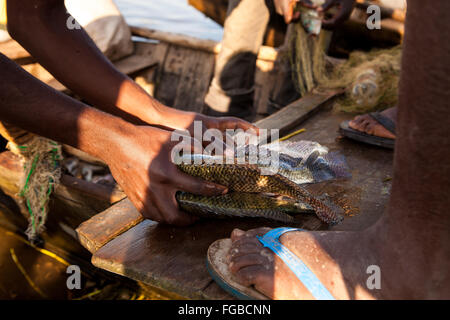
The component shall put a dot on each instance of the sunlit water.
(170, 15)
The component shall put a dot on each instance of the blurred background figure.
(101, 19)
(232, 88)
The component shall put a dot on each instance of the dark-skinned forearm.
(33, 106)
(40, 26)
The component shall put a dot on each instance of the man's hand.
(138, 159)
(174, 119)
(286, 9)
(141, 164)
(183, 120)
(345, 8)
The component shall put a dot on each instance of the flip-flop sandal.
(370, 139)
(216, 263)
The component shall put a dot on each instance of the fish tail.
(324, 209)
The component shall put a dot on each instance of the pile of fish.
(269, 188)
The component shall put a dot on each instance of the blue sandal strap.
(304, 274)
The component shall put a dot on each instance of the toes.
(236, 234)
(254, 275)
(251, 260)
(241, 248)
(369, 128)
(359, 122)
(257, 232)
(376, 129)
(364, 125)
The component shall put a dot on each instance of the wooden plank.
(99, 230)
(211, 46)
(198, 69)
(11, 172)
(152, 253)
(38, 71)
(82, 155)
(13, 50)
(175, 38)
(123, 216)
(111, 194)
(185, 78)
(265, 74)
(145, 55)
(298, 111)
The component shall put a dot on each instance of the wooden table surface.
(173, 259)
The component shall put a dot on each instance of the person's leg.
(232, 88)
(411, 242)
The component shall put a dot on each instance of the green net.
(40, 158)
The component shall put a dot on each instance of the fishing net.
(40, 158)
(370, 79)
(305, 162)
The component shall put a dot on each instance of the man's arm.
(40, 26)
(139, 157)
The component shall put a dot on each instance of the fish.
(249, 184)
(237, 204)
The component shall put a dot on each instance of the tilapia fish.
(277, 196)
(237, 204)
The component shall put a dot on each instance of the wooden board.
(185, 78)
(38, 71)
(265, 53)
(14, 50)
(298, 111)
(144, 56)
(96, 232)
(173, 258)
(170, 258)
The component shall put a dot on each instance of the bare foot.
(365, 123)
(345, 262)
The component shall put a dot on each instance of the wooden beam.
(298, 111)
(168, 257)
(265, 53)
(184, 78)
(101, 192)
(99, 230)
(13, 50)
(145, 56)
